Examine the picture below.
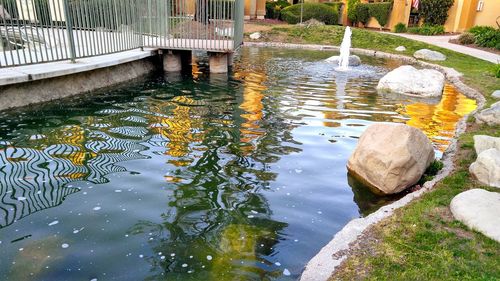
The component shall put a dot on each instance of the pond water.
(192, 177)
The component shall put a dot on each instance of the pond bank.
(334, 253)
(369, 259)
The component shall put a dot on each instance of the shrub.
(400, 28)
(362, 13)
(335, 5)
(435, 12)
(466, 38)
(427, 29)
(318, 11)
(351, 10)
(486, 36)
(496, 70)
(380, 11)
(273, 9)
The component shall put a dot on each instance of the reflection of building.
(463, 15)
(438, 121)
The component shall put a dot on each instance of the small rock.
(482, 143)
(426, 54)
(496, 94)
(312, 23)
(408, 80)
(478, 209)
(390, 157)
(486, 169)
(401, 49)
(490, 116)
(353, 60)
(255, 36)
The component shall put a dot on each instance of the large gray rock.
(496, 94)
(480, 210)
(482, 143)
(353, 60)
(390, 157)
(486, 169)
(427, 54)
(490, 116)
(407, 80)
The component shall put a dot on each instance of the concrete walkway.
(443, 42)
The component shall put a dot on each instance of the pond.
(197, 177)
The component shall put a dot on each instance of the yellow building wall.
(489, 14)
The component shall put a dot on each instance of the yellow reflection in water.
(438, 121)
(253, 82)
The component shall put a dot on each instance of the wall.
(22, 94)
(489, 14)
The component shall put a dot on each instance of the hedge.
(364, 11)
(427, 29)
(273, 9)
(486, 36)
(435, 12)
(351, 10)
(318, 11)
(380, 11)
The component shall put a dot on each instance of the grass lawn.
(421, 241)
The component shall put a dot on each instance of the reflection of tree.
(216, 208)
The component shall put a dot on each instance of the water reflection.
(438, 121)
(196, 176)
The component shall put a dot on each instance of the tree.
(435, 12)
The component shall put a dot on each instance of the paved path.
(443, 42)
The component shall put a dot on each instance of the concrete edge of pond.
(62, 79)
(324, 264)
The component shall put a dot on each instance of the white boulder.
(480, 210)
(255, 36)
(490, 116)
(486, 169)
(401, 49)
(390, 157)
(427, 54)
(482, 143)
(410, 81)
(496, 94)
(353, 60)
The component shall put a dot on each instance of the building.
(463, 15)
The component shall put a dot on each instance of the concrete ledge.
(20, 74)
(66, 79)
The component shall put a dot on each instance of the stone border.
(323, 265)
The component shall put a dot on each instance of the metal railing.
(37, 31)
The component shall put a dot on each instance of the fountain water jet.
(345, 50)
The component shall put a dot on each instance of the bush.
(335, 5)
(466, 38)
(362, 13)
(273, 9)
(400, 28)
(318, 11)
(486, 36)
(380, 11)
(435, 12)
(351, 10)
(427, 29)
(496, 70)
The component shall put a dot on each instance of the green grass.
(421, 241)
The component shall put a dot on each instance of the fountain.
(345, 50)
(345, 59)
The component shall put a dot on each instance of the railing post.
(69, 30)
